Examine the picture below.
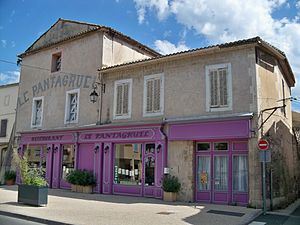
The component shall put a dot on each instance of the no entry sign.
(263, 144)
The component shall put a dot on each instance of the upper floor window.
(122, 99)
(6, 100)
(3, 128)
(37, 112)
(218, 87)
(153, 95)
(56, 62)
(72, 109)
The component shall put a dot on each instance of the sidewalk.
(66, 207)
(287, 216)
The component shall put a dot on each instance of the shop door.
(149, 160)
(220, 179)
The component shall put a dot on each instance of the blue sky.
(164, 25)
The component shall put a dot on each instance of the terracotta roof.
(255, 40)
(96, 28)
(9, 85)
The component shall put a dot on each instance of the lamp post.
(94, 97)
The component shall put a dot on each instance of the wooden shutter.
(223, 86)
(3, 128)
(38, 112)
(125, 97)
(156, 97)
(149, 107)
(73, 107)
(119, 100)
(213, 88)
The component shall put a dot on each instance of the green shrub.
(81, 177)
(171, 184)
(31, 176)
(10, 175)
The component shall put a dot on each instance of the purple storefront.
(220, 158)
(125, 160)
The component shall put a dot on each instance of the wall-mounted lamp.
(48, 149)
(106, 149)
(158, 148)
(94, 96)
(96, 149)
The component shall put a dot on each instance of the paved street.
(65, 207)
(288, 216)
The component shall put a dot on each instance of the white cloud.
(232, 20)
(9, 77)
(3, 43)
(13, 44)
(165, 47)
(160, 6)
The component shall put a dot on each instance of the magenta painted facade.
(221, 159)
(93, 149)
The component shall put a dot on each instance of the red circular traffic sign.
(263, 144)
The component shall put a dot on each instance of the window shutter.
(3, 128)
(119, 100)
(149, 107)
(156, 97)
(125, 98)
(73, 107)
(38, 112)
(213, 88)
(223, 86)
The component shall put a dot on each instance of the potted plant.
(170, 186)
(81, 181)
(33, 189)
(10, 177)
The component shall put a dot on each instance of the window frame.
(4, 134)
(117, 83)
(67, 106)
(54, 58)
(149, 77)
(33, 110)
(209, 68)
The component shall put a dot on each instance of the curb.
(32, 219)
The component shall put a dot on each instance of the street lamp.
(94, 96)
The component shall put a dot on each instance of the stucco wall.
(116, 51)
(180, 162)
(8, 111)
(184, 85)
(81, 59)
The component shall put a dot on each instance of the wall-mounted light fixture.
(106, 149)
(158, 148)
(96, 149)
(94, 95)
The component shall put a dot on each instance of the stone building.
(196, 114)
(8, 105)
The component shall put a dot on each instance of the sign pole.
(264, 183)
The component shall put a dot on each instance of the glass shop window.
(128, 164)
(203, 146)
(37, 157)
(68, 160)
(150, 165)
(221, 146)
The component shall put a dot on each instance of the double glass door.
(212, 178)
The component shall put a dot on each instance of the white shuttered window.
(153, 95)
(72, 106)
(37, 112)
(122, 99)
(218, 87)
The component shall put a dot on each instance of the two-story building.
(196, 114)
(8, 105)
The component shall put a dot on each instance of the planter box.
(87, 189)
(33, 195)
(74, 187)
(170, 196)
(10, 182)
